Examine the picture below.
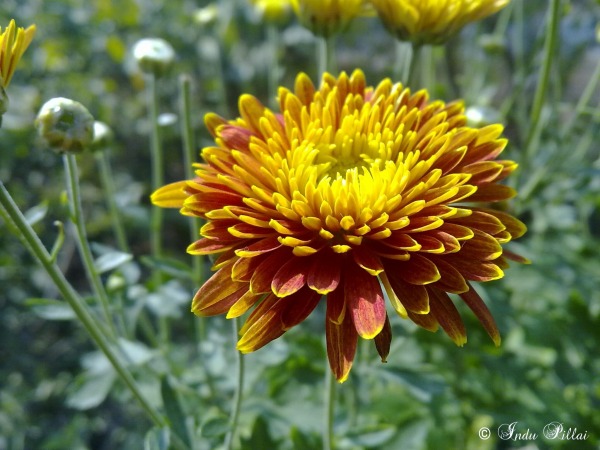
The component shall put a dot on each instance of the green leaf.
(260, 437)
(174, 411)
(92, 391)
(304, 441)
(112, 260)
(421, 384)
(157, 439)
(215, 427)
(136, 352)
(50, 309)
(374, 436)
(36, 213)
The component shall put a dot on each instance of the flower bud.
(66, 125)
(272, 11)
(154, 56)
(103, 136)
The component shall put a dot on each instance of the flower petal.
(447, 316)
(364, 299)
(291, 277)
(341, 347)
(383, 341)
(214, 290)
(481, 311)
(324, 274)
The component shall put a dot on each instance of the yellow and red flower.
(13, 43)
(354, 194)
(432, 21)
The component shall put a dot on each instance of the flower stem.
(76, 213)
(329, 409)
(273, 69)
(542, 87)
(237, 399)
(108, 186)
(402, 65)
(39, 252)
(188, 158)
(585, 98)
(326, 55)
(156, 156)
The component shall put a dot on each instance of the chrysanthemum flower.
(432, 21)
(355, 194)
(13, 43)
(327, 17)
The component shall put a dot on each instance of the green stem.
(156, 156)
(329, 409)
(326, 55)
(542, 87)
(273, 68)
(237, 399)
(403, 61)
(76, 213)
(39, 252)
(413, 74)
(107, 181)
(188, 161)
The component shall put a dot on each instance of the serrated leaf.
(112, 260)
(92, 391)
(173, 410)
(50, 309)
(157, 439)
(36, 213)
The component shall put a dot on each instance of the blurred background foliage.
(59, 392)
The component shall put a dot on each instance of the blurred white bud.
(154, 56)
(103, 136)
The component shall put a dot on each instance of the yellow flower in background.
(13, 43)
(354, 194)
(327, 17)
(432, 21)
(275, 11)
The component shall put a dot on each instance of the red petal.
(290, 277)
(215, 289)
(492, 193)
(451, 279)
(426, 321)
(341, 347)
(413, 297)
(336, 306)
(514, 226)
(243, 304)
(383, 341)
(447, 316)
(481, 311)
(368, 260)
(263, 275)
(324, 274)
(259, 247)
(417, 270)
(364, 299)
(472, 269)
(207, 246)
(297, 307)
(480, 220)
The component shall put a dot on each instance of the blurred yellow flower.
(13, 43)
(327, 17)
(432, 21)
(274, 11)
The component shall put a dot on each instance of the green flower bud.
(154, 56)
(103, 136)
(67, 126)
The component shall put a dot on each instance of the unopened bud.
(154, 56)
(66, 125)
